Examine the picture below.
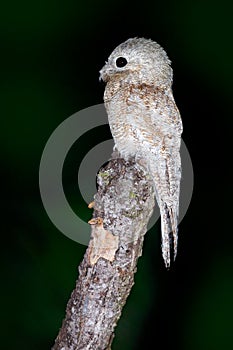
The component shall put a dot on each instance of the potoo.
(146, 124)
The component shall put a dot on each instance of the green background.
(51, 53)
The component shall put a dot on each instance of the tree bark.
(123, 206)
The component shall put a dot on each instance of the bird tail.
(169, 215)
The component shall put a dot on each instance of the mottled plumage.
(146, 124)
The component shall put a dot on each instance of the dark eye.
(121, 62)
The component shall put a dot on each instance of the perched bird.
(146, 124)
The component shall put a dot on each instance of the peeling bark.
(123, 206)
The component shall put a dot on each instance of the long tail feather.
(169, 233)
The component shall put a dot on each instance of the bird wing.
(163, 159)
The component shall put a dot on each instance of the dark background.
(51, 53)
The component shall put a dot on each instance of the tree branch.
(123, 206)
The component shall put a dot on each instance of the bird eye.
(121, 62)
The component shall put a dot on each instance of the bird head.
(138, 60)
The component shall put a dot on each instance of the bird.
(146, 124)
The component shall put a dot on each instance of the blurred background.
(51, 54)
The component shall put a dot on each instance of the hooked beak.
(105, 73)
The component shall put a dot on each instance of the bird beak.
(106, 72)
(103, 73)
